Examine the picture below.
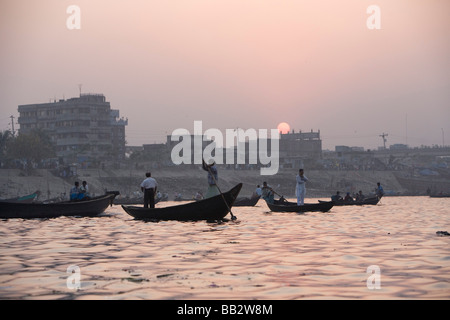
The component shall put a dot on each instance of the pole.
(12, 125)
(233, 217)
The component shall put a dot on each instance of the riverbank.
(188, 180)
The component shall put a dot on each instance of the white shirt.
(149, 183)
(301, 181)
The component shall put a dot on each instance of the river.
(388, 251)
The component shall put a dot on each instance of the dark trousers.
(149, 198)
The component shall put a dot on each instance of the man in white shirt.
(84, 189)
(300, 189)
(149, 186)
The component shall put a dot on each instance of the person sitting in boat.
(84, 191)
(198, 196)
(348, 198)
(213, 190)
(337, 197)
(258, 192)
(75, 191)
(267, 193)
(360, 197)
(178, 196)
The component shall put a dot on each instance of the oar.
(281, 197)
(233, 217)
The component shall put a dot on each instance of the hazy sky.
(238, 63)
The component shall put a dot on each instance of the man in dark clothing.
(149, 186)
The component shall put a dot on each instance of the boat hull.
(246, 202)
(369, 201)
(84, 208)
(279, 206)
(213, 208)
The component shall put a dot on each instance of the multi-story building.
(83, 129)
(297, 147)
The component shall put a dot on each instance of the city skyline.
(238, 64)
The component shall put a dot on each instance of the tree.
(31, 147)
(5, 139)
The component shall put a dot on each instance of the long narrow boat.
(24, 199)
(213, 208)
(84, 208)
(246, 202)
(286, 206)
(132, 201)
(443, 195)
(368, 201)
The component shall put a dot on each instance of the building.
(83, 129)
(298, 147)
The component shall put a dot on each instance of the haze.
(238, 63)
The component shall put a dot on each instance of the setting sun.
(284, 127)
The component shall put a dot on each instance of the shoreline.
(188, 180)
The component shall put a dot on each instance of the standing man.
(267, 193)
(149, 186)
(212, 178)
(379, 191)
(300, 189)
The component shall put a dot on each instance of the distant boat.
(214, 208)
(246, 202)
(368, 201)
(24, 199)
(84, 208)
(286, 206)
(135, 201)
(440, 195)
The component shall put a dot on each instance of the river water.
(387, 251)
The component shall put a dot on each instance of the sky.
(164, 64)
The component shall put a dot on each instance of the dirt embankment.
(188, 181)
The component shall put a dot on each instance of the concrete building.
(298, 147)
(83, 129)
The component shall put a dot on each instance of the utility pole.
(384, 135)
(443, 142)
(12, 125)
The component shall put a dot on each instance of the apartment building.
(83, 129)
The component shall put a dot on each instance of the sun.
(284, 128)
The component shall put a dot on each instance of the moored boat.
(214, 208)
(24, 199)
(85, 208)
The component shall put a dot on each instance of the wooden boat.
(246, 202)
(368, 201)
(440, 195)
(84, 208)
(133, 201)
(286, 206)
(24, 199)
(213, 208)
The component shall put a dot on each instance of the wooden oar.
(282, 198)
(233, 217)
